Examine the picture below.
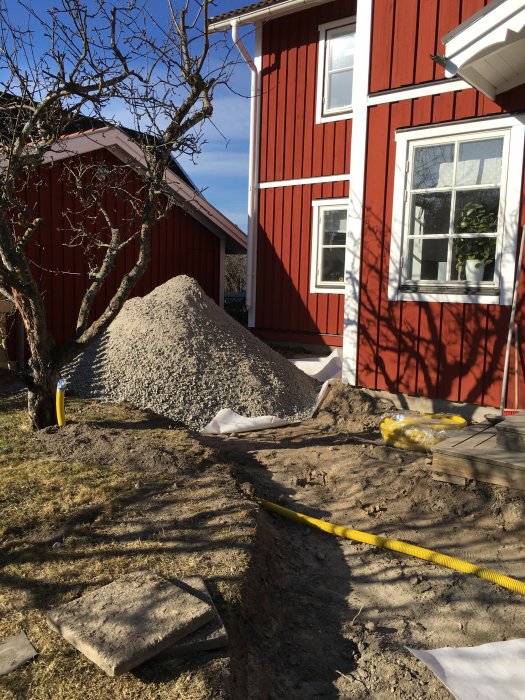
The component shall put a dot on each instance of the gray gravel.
(177, 353)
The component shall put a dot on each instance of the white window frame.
(500, 291)
(318, 206)
(344, 112)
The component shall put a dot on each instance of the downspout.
(253, 174)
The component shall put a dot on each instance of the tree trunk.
(41, 400)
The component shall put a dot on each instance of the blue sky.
(221, 169)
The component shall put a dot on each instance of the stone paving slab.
(132, 619)
(212, 635)
(15, 651)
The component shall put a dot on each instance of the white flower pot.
(474, 270)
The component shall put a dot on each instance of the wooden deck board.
(475, 454)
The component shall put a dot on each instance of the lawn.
(115, 490)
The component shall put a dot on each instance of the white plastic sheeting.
(324, 369)
(494, 671)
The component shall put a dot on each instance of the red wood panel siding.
(292, 145)
(284, 247)
(406, 33)
(452, 351)
(180, 245)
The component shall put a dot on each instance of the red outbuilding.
(191, 239)
(386, 187)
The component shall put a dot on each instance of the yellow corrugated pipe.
(412, 550)
(61, 411)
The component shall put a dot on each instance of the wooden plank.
(475, 454)
(490, 471)
(382, 38)
(449, 478)
(468, 433)
(426, 40)
(404, 53)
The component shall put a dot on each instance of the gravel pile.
(177, 353)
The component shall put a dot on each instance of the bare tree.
(235, 273)
(98, 58)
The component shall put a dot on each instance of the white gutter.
(265, 13)
(253, 174)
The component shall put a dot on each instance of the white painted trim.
(511, 186)
(122, 146)
(266, 13)
(357, 186)
(304, 181)
(492, 30)
(253, 185)
(436, 88)
(317, 204)
(447, 298)
(346, 113)
(467, 126)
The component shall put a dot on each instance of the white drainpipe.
(253, 175)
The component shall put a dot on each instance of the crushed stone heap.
(178, 354)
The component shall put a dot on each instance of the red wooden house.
(377, 173)
(192, 239)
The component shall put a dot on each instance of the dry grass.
(193, 524)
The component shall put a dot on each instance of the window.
(455, 211)
(335, 70)
(328, 247)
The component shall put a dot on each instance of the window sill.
(327, 290)
(465, 293)
(335, 116)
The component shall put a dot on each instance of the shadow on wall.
(452, 351)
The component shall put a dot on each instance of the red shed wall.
(293, 147)
(439, 350)
(180, 245)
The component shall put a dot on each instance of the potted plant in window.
(473, 254)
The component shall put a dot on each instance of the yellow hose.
(61, 413)
(412, 550)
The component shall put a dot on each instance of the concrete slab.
(212, 635)
(15, 651)
(127, 622)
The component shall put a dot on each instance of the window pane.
(473, 259)
(433, 166)
(477, 211)
(334, 227)
(480, 162)
(341, 54)
(332, 264)
(340, 89)
(428, 259)
(430, 213)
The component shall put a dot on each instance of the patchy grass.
(70, 525)
(38, 493)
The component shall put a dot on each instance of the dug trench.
(308, 615)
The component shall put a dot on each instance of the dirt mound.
(93, 443)
(346, 407)
(177, 353)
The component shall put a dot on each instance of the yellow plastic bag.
(418, 431)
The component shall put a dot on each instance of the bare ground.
(309, 615)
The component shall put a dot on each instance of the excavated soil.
(322, 617)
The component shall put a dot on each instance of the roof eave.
(119, 143)
(471, 50)
(264, 14)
